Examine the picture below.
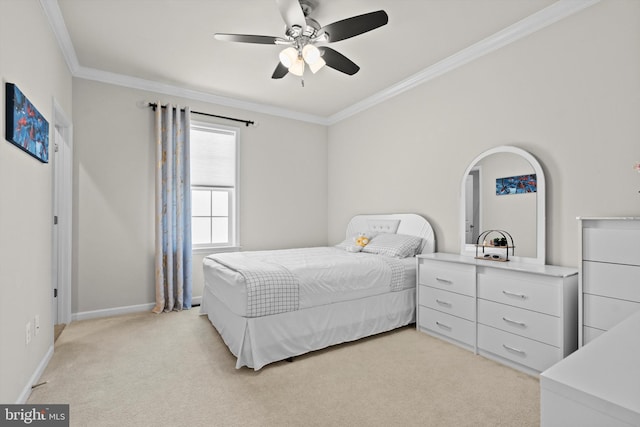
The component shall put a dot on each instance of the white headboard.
(411, 224)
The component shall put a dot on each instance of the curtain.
(173, 267)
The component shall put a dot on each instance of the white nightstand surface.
(603, 375)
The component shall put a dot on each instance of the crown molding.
(539, 20)
(529, 25)
(167, 89)
(54, 15)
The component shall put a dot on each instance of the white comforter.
(325, 274)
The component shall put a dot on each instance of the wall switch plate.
(28, 331)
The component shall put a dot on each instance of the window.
(214, 185)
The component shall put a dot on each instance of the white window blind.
(213, 157)
(213, 160)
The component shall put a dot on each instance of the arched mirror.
(504, 189)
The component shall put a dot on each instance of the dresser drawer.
(533, 354)
(530, 291)
(452, 277)
(611, 280)
(617, 245)
(450, 326)
(529, 324)
(604, 313)
(448, 302)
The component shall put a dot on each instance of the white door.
(57, 169)
(62, 196)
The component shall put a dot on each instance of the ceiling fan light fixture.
(297, 68)
(310, 53)
(288, 56)
(317, 65)
(302, 32)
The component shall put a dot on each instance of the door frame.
(62, 205)
(474, 199)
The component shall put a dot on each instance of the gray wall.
(283, 191)
(569, 94)
(29, 58)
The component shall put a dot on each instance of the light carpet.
(173, 369)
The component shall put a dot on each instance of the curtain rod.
(246, 122)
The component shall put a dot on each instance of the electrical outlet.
(36, 322)
(28, 330)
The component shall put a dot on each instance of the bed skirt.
(258, 341)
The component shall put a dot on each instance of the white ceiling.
(170, 43)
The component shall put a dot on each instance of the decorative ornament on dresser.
(504, 241)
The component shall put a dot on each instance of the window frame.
(234, 192)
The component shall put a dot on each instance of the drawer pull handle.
(439, 301)
(511, 294)
(506, 319)
(522, 352)
(442, 325)
(447, 281)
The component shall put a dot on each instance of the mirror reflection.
(491, 204)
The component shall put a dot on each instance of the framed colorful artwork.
(25, 126)
(516, 185)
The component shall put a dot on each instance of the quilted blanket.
(271, 288)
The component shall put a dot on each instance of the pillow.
(383, 225)
(355, 243)
(394, 245)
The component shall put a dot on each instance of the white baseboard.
(26, 391)
(116, 311)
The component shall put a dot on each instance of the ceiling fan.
(303, 33)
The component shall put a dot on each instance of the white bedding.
(326, 275)
(326, 314)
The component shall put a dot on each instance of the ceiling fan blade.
(338, 61)
(292, 13)
(356, 25)
(246, 38)
(280, 71)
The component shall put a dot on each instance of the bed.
(273, 305)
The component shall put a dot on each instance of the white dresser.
(523, 315)
(609, 274)
(598, 385)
